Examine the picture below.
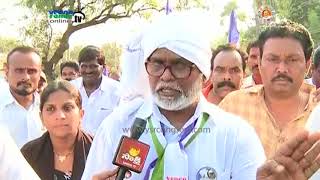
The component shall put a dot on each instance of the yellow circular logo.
(134, 152)
(266, 13)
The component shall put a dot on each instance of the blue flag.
(234, 35)
(168, 8)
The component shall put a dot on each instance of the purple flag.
(168, 8)
(234, 35)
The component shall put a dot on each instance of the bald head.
(23, 71)
(24, 50)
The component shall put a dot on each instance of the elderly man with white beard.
(196, 140)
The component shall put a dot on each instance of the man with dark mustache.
(99, 93)
(227, 71)
(253, 60)
(280, 107)
(19, 107)
(177, 61)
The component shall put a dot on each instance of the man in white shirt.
(177, 63)
(313, 125)
(99, 93)
(13, 166)
(19, 106)
(189, 138)
(315, 78)
(3, 85)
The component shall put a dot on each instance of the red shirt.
(206, 90)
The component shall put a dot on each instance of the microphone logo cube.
(131, 154)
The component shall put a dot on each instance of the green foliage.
(232, 5)
(301, 11)
(220, 41)
(38, 32)
(74, 52)
(245, 36)
(154, 3)
(187, 4)
(40, 6)
(53, 46)
(282, 8)
(242, 16)
(112, 52)
(251, 34)
(314, 25)
(7, 44)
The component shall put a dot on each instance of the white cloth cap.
(134, 79)
(183, 33)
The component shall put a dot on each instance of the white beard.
(181, 102)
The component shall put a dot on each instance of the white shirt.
(248, 82)
(3, 85)
(99, 104)
(23, 124)
(230, 146)
(313, 125)
(13, 166)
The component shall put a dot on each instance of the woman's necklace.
(62, 158)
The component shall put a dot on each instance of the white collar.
(10, 99)
(103, 85)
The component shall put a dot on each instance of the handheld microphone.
(131, 153)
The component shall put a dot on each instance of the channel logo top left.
(65, 16)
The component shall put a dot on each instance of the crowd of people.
(206, 118)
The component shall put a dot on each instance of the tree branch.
(63, 46)
(109, 8)
(50, 35)
(98, 20)
(90, 23)
(92, 2)
(102, 17)
(71, 5)
(111, 16)
(62, 5)
(79, 5)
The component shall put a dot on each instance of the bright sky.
(11, 19)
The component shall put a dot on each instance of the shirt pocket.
(104, 111)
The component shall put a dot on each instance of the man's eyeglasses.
(178, 70)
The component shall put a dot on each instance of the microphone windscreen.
(138, 128)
